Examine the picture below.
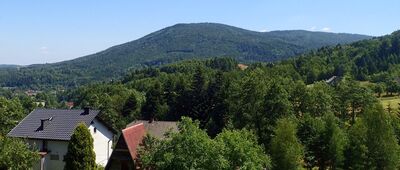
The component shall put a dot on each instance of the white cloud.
(326, 29)
(44, 50)
(264, 30)
(313, 28)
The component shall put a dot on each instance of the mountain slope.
(8, 66)
(178, 42)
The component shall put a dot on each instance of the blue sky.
(45, 31)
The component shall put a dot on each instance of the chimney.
(86, 110)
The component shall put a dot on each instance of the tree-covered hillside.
(292, 117)
(8, 66)
(178, 42)
(315, 126)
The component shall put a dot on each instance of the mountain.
(8, 66)
(178, 42)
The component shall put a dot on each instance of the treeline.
(169, 45)
(297, 118)
(298, 125)
(375, 60)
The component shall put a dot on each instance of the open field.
(392, 100)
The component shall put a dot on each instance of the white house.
(49, 130)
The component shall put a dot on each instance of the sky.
(47, 31)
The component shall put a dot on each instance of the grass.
(392, 100)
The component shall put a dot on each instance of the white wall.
(56, 148)
(102, 141)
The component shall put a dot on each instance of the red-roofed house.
(124, 154)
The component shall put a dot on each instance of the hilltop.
(175, 43)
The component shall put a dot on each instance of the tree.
(392, 87)
(155, 106)
(80, 154)
(319, 99)
(356, 154)
(11, 112)
(276, 105)
(383, 148)
(242, 151)
(286, 150)
(192, 148)
(356, 98)
(324, 141)
(216, 94)
(309, 132)
(333, 141)
(16, 154)
(131, 106)
(379, 89)
(247, 104)
(373, 144)
(198, 106)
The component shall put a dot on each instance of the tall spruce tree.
(383, 149)
(373, 144)
(286, 150)
(155, 106)
(80, 154)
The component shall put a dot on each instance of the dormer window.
(44, 123)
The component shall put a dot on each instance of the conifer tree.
(286, 150)
(80, 154)
(373, 144)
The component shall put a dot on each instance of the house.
(49, 130)
(124, 156)
(334, 80)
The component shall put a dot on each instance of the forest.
(172, 44)
(290, 116)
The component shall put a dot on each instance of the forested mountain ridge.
(178, 42)
(8, 66)
(289, 114)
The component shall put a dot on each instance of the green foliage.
(175, 43)
(11, 112)
(373, 144)
(118, 104)
(334, 142)
(16, 154)
(242, 151)
(192, 148)
(155, 106)
(286, 150)
(80, 154)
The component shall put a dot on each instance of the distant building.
(32, 92)
(242, 66)
(49, 130)
(124, 156)
(334, 80)
(40, 103)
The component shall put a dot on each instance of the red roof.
(133, 137)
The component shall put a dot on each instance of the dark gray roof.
(157, 128)
(60, 127)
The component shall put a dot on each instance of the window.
(95, 130)
(54, 157)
